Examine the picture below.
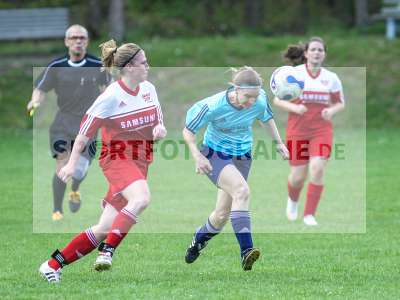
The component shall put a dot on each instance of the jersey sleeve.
(160, 117)
(267, 113)
(96, 116)
(47, 79)
(336, 91)
(198, 116)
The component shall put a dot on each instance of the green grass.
(176, 95)
(341, 212)
(150, 266)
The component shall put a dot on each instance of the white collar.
(79, 64)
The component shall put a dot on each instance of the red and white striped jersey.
(320, 91)
(124, 115)
(323, 88)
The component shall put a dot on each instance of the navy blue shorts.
(219, 160)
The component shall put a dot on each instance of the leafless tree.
(116, 19)
(253, 13)
(361, 12)
(94, 18)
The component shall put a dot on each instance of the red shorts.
(120, 174)
(302, 147)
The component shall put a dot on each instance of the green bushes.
(349, 49)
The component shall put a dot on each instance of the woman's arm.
(329, 112)
(68, 170)
(274, 133)
(289, 106)
(159, 132)
(202, 164)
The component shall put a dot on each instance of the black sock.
(58, 193)
(76, 183)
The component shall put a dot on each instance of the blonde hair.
(118, 57)
(246, 77)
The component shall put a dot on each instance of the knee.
(101, 231)
(144, 202)
(61, 161)
(297, 180)
(316, 172)
(241, 193)
(141, 202)
(146, 197)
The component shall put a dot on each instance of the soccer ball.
(286, 83)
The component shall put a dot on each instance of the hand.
(66, 172)
(300, 109)
(283, 151)
(159, 132)
(327, 114)
(31, 107)
(203, 165)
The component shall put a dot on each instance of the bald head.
(76, 28)
(76, 40)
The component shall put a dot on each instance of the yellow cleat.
(57, 216)
(74, 201)
(249, 258)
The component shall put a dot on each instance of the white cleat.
(309, 220)
(291, 210)
(103, 261)
(48, 273)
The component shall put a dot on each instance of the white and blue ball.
(286, 83)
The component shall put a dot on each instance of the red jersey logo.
(325, 82)
(146, 97)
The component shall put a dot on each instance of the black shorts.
(63, 132)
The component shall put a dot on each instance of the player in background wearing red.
(130, 118)
(309, 129)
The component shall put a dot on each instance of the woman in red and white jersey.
(309, 130)
(130, 118)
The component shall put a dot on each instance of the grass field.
(297, 263)
(177, 190)
(343, 211)
(150, 266)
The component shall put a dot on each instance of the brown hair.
(119, 57)
(294, 54)
(245, 76)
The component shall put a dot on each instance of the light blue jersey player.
(229, 127)
(226, 156)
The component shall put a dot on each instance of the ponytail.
(108, 49)
(294, 54)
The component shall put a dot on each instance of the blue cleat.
(193, 251)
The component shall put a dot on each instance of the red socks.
(121, 226)
(85, 242)
(81, 245)
(294, 192)
(313, 195)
